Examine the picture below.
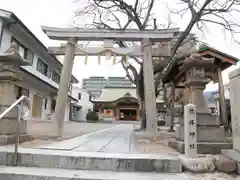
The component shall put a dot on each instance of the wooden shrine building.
(119, 103)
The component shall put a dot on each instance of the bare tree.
(122, 14)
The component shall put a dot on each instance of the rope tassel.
(108, 55)
(86, 60)
(99, 60)
(126, 61)
(114, 59)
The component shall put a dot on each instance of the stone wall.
(235, 104)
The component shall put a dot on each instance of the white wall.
(84, 102)
(6, 41)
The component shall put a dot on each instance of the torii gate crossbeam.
(158, 35)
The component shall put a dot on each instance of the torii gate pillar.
(62, 96)
(149, 90)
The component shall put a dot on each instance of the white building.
(94, 85)
(84, 104)
(41, 79)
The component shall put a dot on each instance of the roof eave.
(11, 15)
(207, 48)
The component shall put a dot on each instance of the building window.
(79, 96)
(45, 103)
(42, 67)
(53, 105)
(29, 55)
(56, 76)
(23, 51)
(21, 92)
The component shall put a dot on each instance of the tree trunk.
(171, 129)
(143, 117)
(140, 91)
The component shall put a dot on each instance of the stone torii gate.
(146, 51)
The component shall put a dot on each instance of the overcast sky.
(58, 13)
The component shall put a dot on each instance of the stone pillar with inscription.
(10, 75)
(210, 135)
(190, 131)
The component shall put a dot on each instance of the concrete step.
(92, 160)
(30, 173)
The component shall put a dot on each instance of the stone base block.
(9, 126)
(11, 139)
(202, 147)
(232, 154)
(204, 133)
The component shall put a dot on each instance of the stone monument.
(10, 75)
(190, 131)
(210, 135)
(234, 153)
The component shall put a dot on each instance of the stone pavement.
(117, 139)
(103, 138)
(44, 129)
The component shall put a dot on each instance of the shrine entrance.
(128, 114)
(124, 107)
(154, 43)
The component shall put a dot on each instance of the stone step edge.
(9, 172)
(76, 154)
(93, 161)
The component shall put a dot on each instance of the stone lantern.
(210, 135)
(10, 76)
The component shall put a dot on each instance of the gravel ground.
(212, 176)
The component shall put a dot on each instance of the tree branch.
(148, 14)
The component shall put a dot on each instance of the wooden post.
(222, 100)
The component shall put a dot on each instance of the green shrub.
(92, 116)
(161, 123)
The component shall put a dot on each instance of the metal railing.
(19, 104)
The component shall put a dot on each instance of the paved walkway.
(117, 139)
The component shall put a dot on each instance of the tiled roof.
(110, 94)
